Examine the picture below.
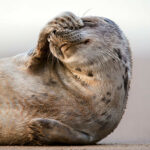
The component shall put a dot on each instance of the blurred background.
(22, 20)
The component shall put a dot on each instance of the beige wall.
(21, 21)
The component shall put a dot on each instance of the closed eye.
(86, 41)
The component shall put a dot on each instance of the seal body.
(71, 89)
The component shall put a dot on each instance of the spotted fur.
(71, 89)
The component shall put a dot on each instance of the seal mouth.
(67, 46)
(64, 47)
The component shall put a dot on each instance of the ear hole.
(54, 31)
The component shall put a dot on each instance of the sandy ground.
(92, 147)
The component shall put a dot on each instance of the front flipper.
(50, 131)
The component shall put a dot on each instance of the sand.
(91, 147)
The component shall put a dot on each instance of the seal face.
(72, 88)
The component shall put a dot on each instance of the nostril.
(54, 31)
